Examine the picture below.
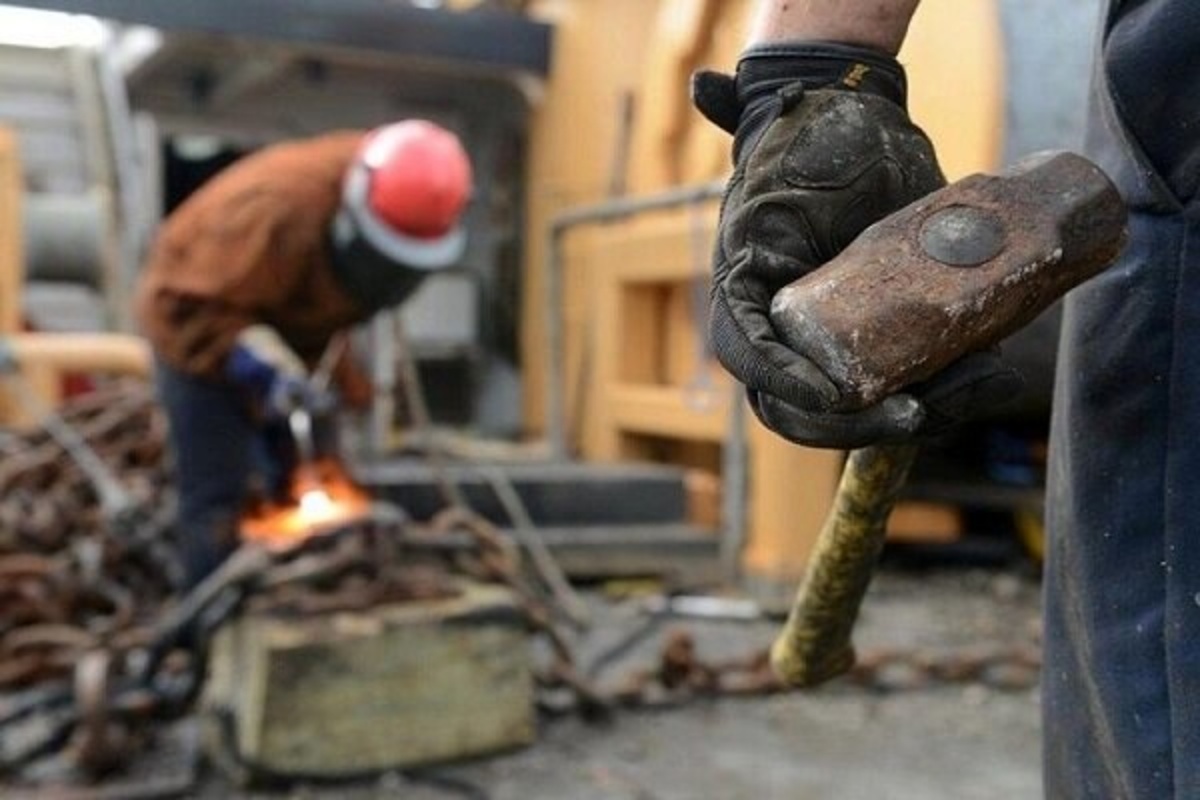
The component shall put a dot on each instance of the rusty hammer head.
(951, 274)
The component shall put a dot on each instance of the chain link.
(88, 653)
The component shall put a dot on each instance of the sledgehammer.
(948, 275)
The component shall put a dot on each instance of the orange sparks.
(323, 498)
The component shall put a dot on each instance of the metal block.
(347, 693)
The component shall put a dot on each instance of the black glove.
(823, 147)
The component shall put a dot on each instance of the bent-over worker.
(250, 278)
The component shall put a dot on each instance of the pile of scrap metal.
(48, 497)
(80, 573)
(73, 577)
(98, 646)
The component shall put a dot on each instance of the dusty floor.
(842, 743)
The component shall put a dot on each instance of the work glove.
(263, 364)
(823, 147)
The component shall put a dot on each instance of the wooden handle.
(814, 644)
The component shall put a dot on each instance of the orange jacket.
(251, 246)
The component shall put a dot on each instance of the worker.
(252, 276)
(822, 147)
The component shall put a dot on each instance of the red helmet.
(420, 177)
(406, 191)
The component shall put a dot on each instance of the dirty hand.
(823, 147)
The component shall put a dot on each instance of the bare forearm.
(874, 23)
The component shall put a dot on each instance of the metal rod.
(334, 350)
(526, 532)
(301, 426)
(381, 424)
(420, 418)
(734, 487)
(113, 498)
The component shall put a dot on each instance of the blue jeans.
(218, 449)
(1121, 678)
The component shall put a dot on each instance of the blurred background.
(564, 358)
(566, 324)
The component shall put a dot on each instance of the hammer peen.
(951, 274)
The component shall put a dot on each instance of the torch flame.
(324, 499)
(317, 505)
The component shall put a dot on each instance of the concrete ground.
(960, 742)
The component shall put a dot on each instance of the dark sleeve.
(1152, 58)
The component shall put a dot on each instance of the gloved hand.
(262, 363)
(288, 393)
(823, 147)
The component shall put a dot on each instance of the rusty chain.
(98, 647)
(681, 675)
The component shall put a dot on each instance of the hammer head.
(951, 274)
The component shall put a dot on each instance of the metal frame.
(734, 451)
(480, 37)
(608, 211)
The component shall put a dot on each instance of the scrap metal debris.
(98, 648)
(71, 580)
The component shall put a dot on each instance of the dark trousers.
(1121, 678)
(218, 449)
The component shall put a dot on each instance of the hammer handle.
(814, 644)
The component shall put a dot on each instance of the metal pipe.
(734, 491)
(608, 211)
(485, 40)
(380, 426)
(114, 499)
(301, 425)
(85, 352)
(65, 238)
